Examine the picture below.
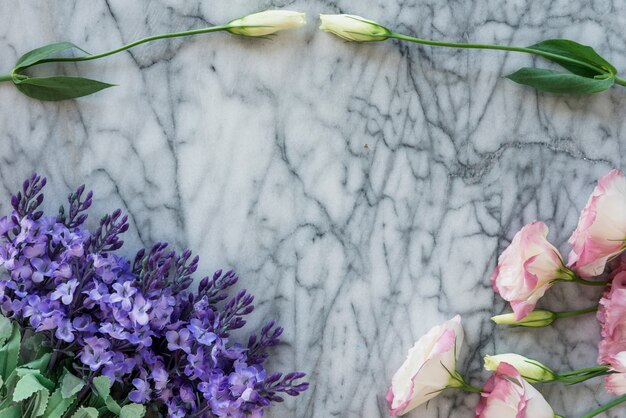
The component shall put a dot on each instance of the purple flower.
(142, 392)
(123, 294)
(179, 340)
(243, 381)
(65, 292)
(83, 323)
(160, 377)
(97, 292)
(139, 313)
(65, 331)
(200, 333)
(114, 330)
(43, 268)
(35, 250)
(63, 271)
(95, 353)
(141, 337)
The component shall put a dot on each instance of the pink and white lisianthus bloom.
(528, 268)
(426, 371)
(612, 318)
(616, 383)
(507, 395)
(601, 231)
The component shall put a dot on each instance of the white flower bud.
(354, 28)
(531, 370)
(535, 319)
(266, 23)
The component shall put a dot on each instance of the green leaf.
(33, 348)
(102, 385)
(579, 52)
(57, 405)
(47, 383)
(5, 328)
(40, 364)
(39, 403)
(36, 55)
(26, 387)
(86, 413)
(112, 405)
(133, 410)
(58, 87)
(10, 353)
(557, 82)
(71, 385)
(14, 411)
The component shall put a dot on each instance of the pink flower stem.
(604, 407)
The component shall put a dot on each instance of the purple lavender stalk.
(137, 323)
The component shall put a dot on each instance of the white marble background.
(363, 192)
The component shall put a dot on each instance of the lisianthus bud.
(536, 319)
(266, 23)
(531, 370)
(354, 28)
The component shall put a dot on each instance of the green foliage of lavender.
(132, 334)
(29, 389)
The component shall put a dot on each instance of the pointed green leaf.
(71, 385)
(39, 403)
(102, 385)
(579, 52)
(57, 405)
(26, 387)
(36, 55)
(58, 87)
(133, 410)
(86, 413)
(10, 353)
(14, 411)
(557, 82)
(5, 328)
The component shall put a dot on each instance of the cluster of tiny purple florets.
(135, 322)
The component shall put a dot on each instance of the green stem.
(620, 81)
(569, 314)
(604, 407)
(588, 370)
(588, 282)
(471, 388)
(5, 77)
(544, 54)
(133, 44)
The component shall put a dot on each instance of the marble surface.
(362, 192)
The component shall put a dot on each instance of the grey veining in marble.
(363, 192)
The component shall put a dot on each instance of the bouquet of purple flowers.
(137, 322)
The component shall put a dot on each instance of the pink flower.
(612, 318)
(601, 230)
(507, 395)
(527, 269)
(426, 371)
